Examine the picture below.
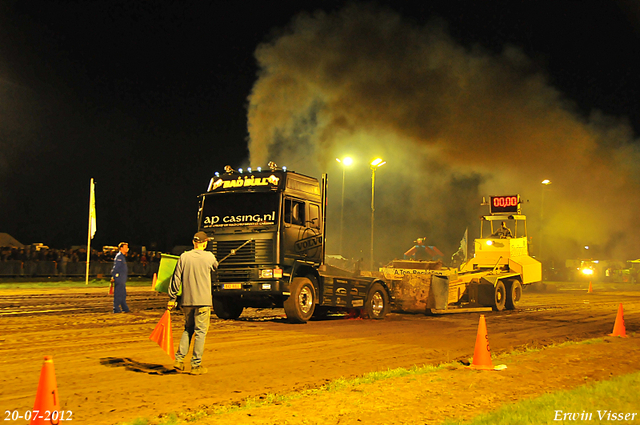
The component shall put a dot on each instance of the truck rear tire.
(226, 308)
(499, 296)
(377, 304)
(301, 303)
(514, 293)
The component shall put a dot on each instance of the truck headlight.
(275, 273)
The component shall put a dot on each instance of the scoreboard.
(509, 204)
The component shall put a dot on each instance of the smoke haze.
(454, 124)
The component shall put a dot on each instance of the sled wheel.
(499, 296)
(514, 293)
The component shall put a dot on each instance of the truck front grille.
(233, 275)
(255, 252)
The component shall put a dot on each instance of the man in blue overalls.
(119, 274)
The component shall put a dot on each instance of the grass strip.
(612, 401)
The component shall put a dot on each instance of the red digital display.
(505, 204)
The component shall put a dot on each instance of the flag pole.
(92, 225)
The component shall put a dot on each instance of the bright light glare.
(587, 272)
(546, 181)
(489, 242)
(347, 160)
(378, 162)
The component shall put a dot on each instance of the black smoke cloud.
(454, 124)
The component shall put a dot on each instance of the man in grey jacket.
(193, 276)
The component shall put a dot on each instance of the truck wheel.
(514, 293)
(377, 304)
(301, 303)
(226, 308)
(499, 296)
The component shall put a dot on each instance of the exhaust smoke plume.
(453, 123)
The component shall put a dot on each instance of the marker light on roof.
(240, 170)
(217, 174)
(259, 169)
(249, 170)
(284, 168)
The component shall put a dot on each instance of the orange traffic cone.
(590, 290)
(47, 401)
(618, 327)
(111, 289)
(162, 335)
(482, 353)
(153, 281)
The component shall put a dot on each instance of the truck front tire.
(301, 303)
(226, 308)
(377, 304)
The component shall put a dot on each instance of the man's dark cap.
(201, 237)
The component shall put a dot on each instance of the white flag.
(92, 210)
(464, 244)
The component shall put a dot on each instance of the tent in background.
(8, 240)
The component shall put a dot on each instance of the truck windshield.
(239, 209)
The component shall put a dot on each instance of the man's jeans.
(196, 321)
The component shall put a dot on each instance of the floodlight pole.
(375, 164)
(546, 184)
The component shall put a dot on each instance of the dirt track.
(108, 371)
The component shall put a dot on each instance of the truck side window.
(314, 216)
(294, 212)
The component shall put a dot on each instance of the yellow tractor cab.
(503, 242)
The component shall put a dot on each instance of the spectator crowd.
(25, 261)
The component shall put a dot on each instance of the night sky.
(151, 98)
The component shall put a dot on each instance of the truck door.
(302, 224)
